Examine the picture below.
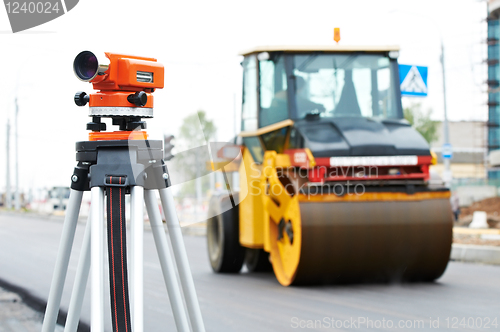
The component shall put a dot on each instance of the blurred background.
(199, 43)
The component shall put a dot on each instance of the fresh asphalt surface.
(256, 302)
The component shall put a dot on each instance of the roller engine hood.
(351, 136)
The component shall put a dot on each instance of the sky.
(198, 43)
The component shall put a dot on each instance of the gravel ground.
(16, 316)
(477, 239)
(492, 208)
(490, 205)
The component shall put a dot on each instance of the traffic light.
(168, 145)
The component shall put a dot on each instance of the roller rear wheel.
(224, 250)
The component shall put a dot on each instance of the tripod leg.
(137, 236)
(62, 260)
(174, 230)
(167, 265)
(82, 275)
(97, 259)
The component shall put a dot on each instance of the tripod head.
(125, 84)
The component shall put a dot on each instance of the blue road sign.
(447, 151)
(413, 80)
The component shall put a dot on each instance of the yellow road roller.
(333, 182)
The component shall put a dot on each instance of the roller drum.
(368, 240)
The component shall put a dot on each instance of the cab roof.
(321, 48)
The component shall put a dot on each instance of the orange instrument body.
(124, 87)
(121, 78)
(122, 73)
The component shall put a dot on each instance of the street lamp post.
(17, 204)
(8, 194)
(447, 175)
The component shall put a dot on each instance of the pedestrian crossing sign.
(413, 80)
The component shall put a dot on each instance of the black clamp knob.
(139, 99)
(135, 125)
(96, 124)
(81, 98)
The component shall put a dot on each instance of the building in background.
(493, 62)
(469, 141)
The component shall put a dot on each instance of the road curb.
(475, 253)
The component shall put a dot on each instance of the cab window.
(273, 90)
(249, 106)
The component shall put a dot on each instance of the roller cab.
(334, 181)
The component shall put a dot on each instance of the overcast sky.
(198, 42)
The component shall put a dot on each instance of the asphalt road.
(256, 302)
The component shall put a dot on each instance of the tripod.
(111, 169)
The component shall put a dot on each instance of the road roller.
(333, 183)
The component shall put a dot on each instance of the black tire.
(223, 237)
(257, 260)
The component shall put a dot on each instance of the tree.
(190, 134)
(422, 122)
(196, 131)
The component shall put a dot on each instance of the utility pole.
(198, 184)
(17, 196)
(235, 183)
(8, 194)
(447, 176)
(235, 116)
